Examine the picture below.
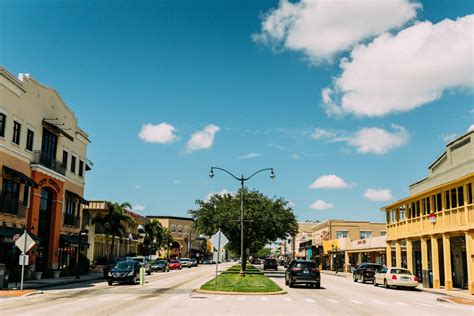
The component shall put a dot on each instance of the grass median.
(231, 281)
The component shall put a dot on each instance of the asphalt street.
(173, 294)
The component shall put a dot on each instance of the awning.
(7, 234)
(24, 178)
(77, 196)
(73, 240)
(57, 129)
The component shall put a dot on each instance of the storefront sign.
(432, 218)
(51, 182)
(361, 242)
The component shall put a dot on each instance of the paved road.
(172, 294)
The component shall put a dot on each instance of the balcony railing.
(12, 206)
(48, 162)
(71, 220)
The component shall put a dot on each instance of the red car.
(175, 265)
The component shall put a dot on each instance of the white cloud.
(221, 193)
(321, 29)
(448, 137)
(329, 182)
(471, 128)
(320, 133)
(202, 139)
(296, 156)
(249, 156)
(138, 207)
(162, 133)
(379, 195)
(379, 141)
(397, 73)
(321, 205)
(177, 182)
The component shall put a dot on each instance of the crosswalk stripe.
(287, 299)
(332, 301)
(309, 300)
(174, 298)
(242, 298)
(355, 301)
(264, 299)
(400, 303)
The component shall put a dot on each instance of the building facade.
(298, 244)
(43, 161)
(436, 222)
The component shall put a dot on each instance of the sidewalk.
(45, 283)
(454, 296)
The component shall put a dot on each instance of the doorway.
(44, 228)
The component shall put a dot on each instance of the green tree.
(153, 236)
(166, 240)
(112, 222)
(263, 253)
(265, 219)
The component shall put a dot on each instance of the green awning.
(7, 234)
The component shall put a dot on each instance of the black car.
(270, 264)
(302, 272)
(109, 266)
(365, 272)
(160, 265)
(124, 272)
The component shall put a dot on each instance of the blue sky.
(363, 101)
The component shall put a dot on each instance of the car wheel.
(375, 283)
(385, 284)
(149, 272)
(317, 285)
(354, 278)
(110, 282)
(291, 284)
(286, 281)
(363, 279)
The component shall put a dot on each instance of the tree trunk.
(112, 248)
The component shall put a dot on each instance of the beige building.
(436, 222)
(296, 244)
(43, 160)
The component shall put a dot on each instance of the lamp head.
(211, 174)
(272, 175)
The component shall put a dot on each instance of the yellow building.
(436, 222)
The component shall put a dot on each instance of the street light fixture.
(242, 180)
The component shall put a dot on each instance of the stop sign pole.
(23, 265)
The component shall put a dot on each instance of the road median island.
(230, 282)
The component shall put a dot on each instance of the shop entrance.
(458, 262)
(44, 228)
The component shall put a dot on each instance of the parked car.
(174, 265)
(185, 262)
(124, 272)
(398, 277)
(194, 262)
(108, 267)
(365, 272)
(160, 265)
(255, 261)
(302, 272)
(270, 264)
(206, 261)
(144, 262)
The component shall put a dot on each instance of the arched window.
(186, 229)
(180, 228)
(173, 228)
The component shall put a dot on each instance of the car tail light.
(315, 269)
(415, 278)
(296, 269)
(394, 277)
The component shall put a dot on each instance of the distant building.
(294, 244)
(436, 222)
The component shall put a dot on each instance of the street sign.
(216, 242)
(23, 262)
(25, 242)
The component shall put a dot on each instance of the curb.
(33, 293)
(338, 275)
(239, 293)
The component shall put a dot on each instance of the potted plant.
(38, 275)
(56, 273)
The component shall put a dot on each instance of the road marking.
(242, 298)
(287, 299)
(377, 302)
(400, 303)
(425, 305)
(355, 301)
(174, 298)
(309, 300)
(128, 298)
(332, 301)
(219, 298)
(264, 299)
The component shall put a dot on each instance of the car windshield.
(373, 266)
(400, 271)
(124, 265)
(310, 265)
(174, 261)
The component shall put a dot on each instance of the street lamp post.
(242, 180)
(81, 233)
(335, 255)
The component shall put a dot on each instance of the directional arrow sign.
(215, 240)
(25, 242)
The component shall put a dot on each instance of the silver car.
(186, 262)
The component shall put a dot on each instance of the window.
(10, 188)
(418, 208)
(341, 234)
(65, 153)
(173, 228)
(365, 235)
(26, 195)
(30, 136)
(439, 203)
(460, 196)
(186, 229)
(16, 132)
(3, 122)
(73, 164)
(383, 233)
(454, 200)
(469, 193)
(448, 205)
(180, 229)
(81, 168)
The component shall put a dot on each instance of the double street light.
(242, 180)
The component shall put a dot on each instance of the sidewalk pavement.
(456, 295)
(45, 283)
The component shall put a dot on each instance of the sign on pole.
(218, 240)
(25, 242)
(23, 261)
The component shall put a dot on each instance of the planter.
(56, 274)
(38, 275)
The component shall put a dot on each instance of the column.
(424, 254)
(346, 261)
(388, 254)
(435, 262)
(470, 261)
(448, 276)
(359, 258)
(410, 255)
(398, 253)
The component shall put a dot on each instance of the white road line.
(287, 299)
(242, 298)
(310, 300)
(174, 298)
(377, 302)
(425, 305)
(355, 301)
(219, 298)
(264, 299)
(332, 301)
(400, 303)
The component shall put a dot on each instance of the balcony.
(71, 220)
(12, 206)
(48, 162)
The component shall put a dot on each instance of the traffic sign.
(25, 242)
(219, 240)
(21, 261)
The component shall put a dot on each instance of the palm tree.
(153, 236)
(166, 240)
(112, 222)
